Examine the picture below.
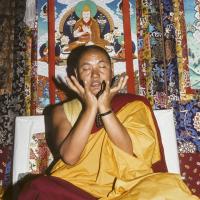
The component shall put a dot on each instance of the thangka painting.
(83, 22)
(192, 18)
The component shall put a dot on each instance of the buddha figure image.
(87, 30)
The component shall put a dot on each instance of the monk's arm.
(117, 132)
(71, 140)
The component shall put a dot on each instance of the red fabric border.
(51, 188)
(51, 49)
(128, 46)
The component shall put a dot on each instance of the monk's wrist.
(91, 109)
(105, 113)
(104, 109)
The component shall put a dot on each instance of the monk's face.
(95, 67)
(86, 16)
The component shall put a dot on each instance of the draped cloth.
(107, 172)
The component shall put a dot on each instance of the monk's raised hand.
(119, 84)
(74, 85)
(104, 100)
(83, 92)
(89, 98)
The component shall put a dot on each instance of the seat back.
(165, 120)
(31, 154)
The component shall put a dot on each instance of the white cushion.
(166, 125)
(25, 127)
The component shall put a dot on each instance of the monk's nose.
(95, 72)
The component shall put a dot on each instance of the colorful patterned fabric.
(40, 156)
(34, 72)
(27, 72)
(12, 104)
(187, 116)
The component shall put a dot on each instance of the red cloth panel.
(190, 169)
(51, 188)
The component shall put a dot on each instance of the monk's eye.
(85, 68)
(102, 66)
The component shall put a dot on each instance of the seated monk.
(109, 143)
(87, 31)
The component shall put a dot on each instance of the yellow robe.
(107, 172)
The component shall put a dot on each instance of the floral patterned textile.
(188, 126)
(28, 74)
(40, 156)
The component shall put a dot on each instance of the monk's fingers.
(107, 87)
(71, 85)
(114, 90)
(115, 80)
(124, 82)
(77, 85)
(86, 87)
(119, 84)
